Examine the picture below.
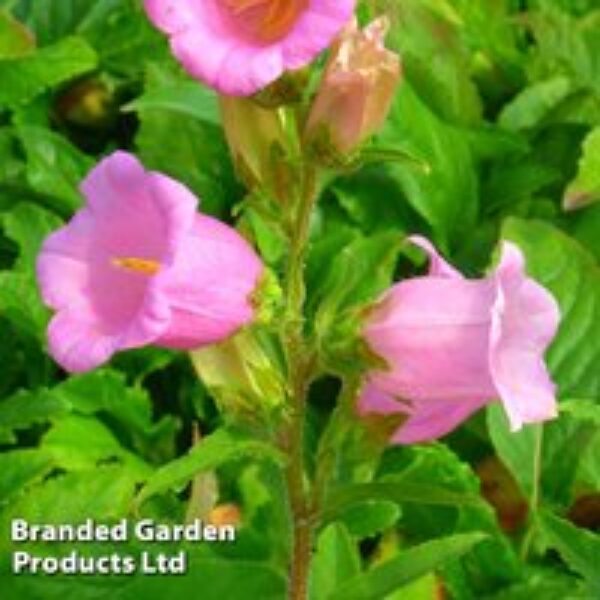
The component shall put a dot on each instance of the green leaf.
(424, 30)
(517, 450)
(191, 150)
(447, 196)
(102, 493)
(579, 548)
(55, 167)
(336, 561)
(217, 578)
(406, 567)
(186, 98)
(52, 21)
(15, 38)
(105, 392)
(341, 499)
(569, 45)
(563, 266)
(20, 304)
(21, 468)
(534, 103)
(404, 468)
(547, 583)
(585, 188)
(356, 276)
(26, 408)
(25, 77)
(367, 519)
(63, 444)
(27, 225)
(548, 456)
(213, 451)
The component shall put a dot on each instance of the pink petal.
(438, 267)
(434, 335)
(426, 420)
(209, 285)
(76, 343)
(212, 49)
(373, 400)
(62, 268)
(315, 30)
(525, 318)
(432, 420)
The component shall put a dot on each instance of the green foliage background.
(501, 98)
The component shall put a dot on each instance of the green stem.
(300, 367)
(534, 500)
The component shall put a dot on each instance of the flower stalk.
(300, 371)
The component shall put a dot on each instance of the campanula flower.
(240, 46)
(357, 90)
(138, 265)
(453, 345)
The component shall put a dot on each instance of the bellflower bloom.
(138, 265)
(453, 345)
(241, 46)
(357, 88)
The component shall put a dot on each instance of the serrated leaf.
(63, 443)
(27, 225)
(406, 567)
(565, 268)
(105, 392)
(102, 493)
(26, 408)
(213, 451)
(25, 77)
(20, 468)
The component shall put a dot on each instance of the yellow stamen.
(137, 265)
(269, 20)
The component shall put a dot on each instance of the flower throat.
(265, 20)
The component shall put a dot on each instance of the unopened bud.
(357, 89)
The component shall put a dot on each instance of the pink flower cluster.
(138, 265)
(453, 345)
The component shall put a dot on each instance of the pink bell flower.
(453, 345)
(240, 46)
(138, 265)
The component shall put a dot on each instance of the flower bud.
(357, 89)
(256, 138)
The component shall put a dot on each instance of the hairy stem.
(299, 361)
